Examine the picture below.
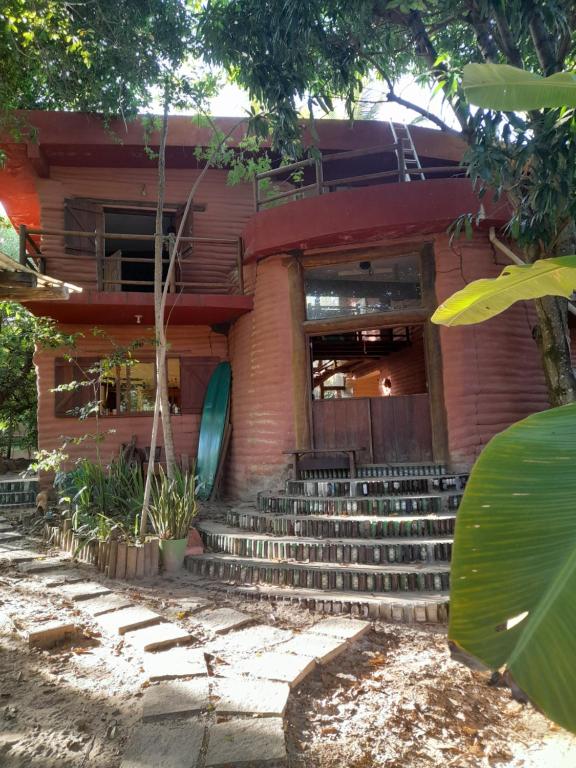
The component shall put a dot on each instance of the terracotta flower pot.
(172, 552)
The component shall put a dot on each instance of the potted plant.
(172, 509)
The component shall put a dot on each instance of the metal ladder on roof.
(401, 135)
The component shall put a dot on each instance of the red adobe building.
(321, 302)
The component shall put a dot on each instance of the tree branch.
(483, 34)
(507, 42)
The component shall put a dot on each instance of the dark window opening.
(381, 362)
(129, 264)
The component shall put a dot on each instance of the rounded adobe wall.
(364, 214)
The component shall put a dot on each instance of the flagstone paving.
(218, 703)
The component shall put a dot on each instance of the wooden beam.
(433, 356)
(300, 376)
(38, 159)
(359, 322)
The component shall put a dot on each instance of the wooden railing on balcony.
(110, 279)
(400, 172)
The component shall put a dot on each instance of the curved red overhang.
(103, 308)
(365, 214)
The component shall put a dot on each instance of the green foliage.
(482, 299)
(173, 504)
(103, 56)
(20, 331)
(323, 49)
(513, 595)
(102, 501)
(9, 243)
(500, 86)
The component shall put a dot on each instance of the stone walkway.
(219, 701)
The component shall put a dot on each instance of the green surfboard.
(212, 428)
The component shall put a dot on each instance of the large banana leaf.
(482, 299)
(500, 86)
(513, 598)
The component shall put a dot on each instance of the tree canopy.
(102, 56)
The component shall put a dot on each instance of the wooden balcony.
(115, 293)
(326, 173)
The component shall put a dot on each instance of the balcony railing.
(196, 255)
(404, 170)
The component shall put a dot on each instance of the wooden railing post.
(241, 265)
(256, 184)
(98, 242)
(319, 176)
(171, 244)
(22, 244)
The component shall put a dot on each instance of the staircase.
(17, 494)
(376, 545)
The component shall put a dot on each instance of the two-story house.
(317, 285)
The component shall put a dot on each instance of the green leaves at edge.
(500, 86)
(515, 554)
(483, 299)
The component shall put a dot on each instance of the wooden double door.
(389, 429)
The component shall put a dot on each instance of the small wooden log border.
(116, 559)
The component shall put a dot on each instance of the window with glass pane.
(363, 287)
(131, 389)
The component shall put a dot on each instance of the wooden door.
(389, 429)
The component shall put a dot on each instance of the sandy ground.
(395, 699)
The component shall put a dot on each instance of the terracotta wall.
(405, 369)
(198, 341)
(492, 374)
(260, 346)
(227, 207)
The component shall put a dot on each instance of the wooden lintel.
(358, 322)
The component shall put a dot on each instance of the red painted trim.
(369, 213)
(121, 308)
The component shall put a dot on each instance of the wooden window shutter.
(195, 374)
(85, 216)
(65, 372)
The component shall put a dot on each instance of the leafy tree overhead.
(101, 56)
(322, 49)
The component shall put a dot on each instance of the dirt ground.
(394, 699)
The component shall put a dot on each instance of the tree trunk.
(554, 345)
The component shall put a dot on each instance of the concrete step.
(407, 607)
(234, 541)
(390, 486)
(348, 526)
(418, 577)
(374, 505)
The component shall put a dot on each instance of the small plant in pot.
(172, 509)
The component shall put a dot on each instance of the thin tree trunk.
(160, 403)
(553, 343)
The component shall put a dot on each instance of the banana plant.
(482, 299)
(513, 594)
(502, 87)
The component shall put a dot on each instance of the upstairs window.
(363, 287)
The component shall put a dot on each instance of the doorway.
(370, 392)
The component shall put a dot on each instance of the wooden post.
(300, 378)
(98, 242)
(147, 558)
(131, 557)
(319, 176)
(433, 357)
(22, 244)
(112, 557)
(256, 192)
(155, 557)
(139, 562)
(121, 560)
